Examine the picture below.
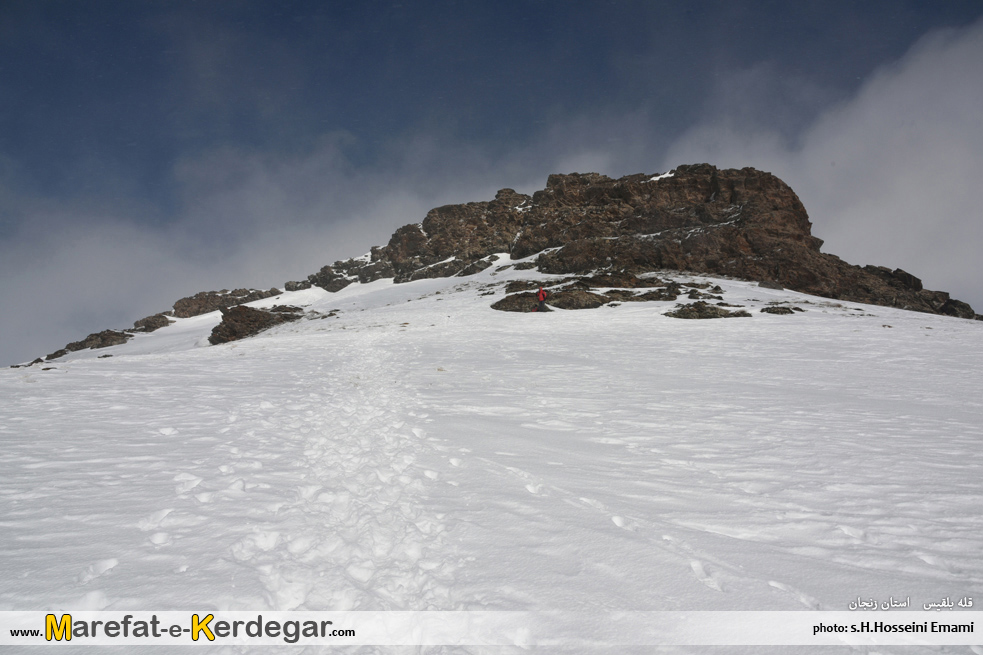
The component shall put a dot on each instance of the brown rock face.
(952, 307)
(102, 339)
(742, 223)
(209, 301)
(623, 280)
(701, 309)
(522, 285)
(297, 286)
(577, 299)
(462, 234)
(517, 302)
(151, 323)
(240, 322)
(342, 273)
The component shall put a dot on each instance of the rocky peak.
(743, 223)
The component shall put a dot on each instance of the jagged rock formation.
(240, 321)
(336, 277)
(742, 223)
(517, 302)
(208, 301)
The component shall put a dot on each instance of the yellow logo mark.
(59, 630)
(199, 626)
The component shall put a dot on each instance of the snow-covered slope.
(418, 450)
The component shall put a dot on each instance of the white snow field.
(421, 451)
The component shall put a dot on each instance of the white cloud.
(889, 176)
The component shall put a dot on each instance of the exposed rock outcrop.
(297, 286)
(208, 301)
(701, 309)
(522, 285)
(453, 237)
(517, 302)
(102, 339)
(741, 223)
(577, 299)
(953, 307)
(151, 323)
(240, 322)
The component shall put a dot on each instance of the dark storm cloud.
(151, 150)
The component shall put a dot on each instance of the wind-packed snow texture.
(420, 450)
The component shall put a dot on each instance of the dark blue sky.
(101, 98)
(159, 118)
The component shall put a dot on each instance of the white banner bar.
(559, 628)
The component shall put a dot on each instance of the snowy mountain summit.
(387, 440)
(744, 224)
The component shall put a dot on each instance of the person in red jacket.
(541, 297)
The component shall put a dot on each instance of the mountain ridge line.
(738, 223)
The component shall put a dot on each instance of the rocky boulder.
(670, 292)
(622, 280)
(577, 299)
(208, 301)
(701, 309)
(151, 323)
(297, 286)
(952, 307)
(522, 285)
(103, 339)
(517, 302)
(240, 322)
